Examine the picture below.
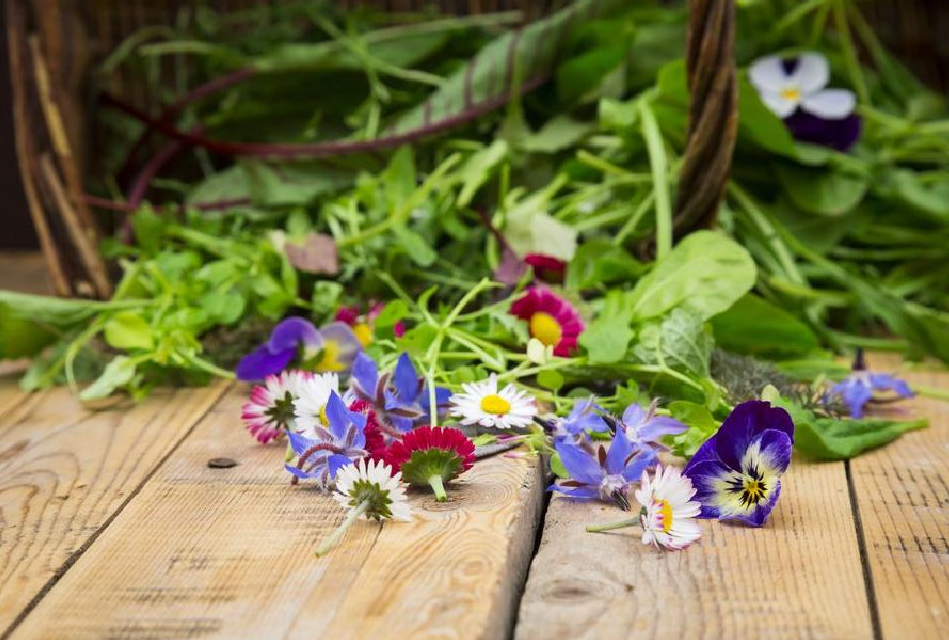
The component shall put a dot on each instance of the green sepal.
(426, 463)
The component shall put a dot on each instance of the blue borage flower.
(737, 472)
(333, 447)
(400, 399)
(598, 473)
(644, 428)
(858, 388)
(330, 349)
(585, 417)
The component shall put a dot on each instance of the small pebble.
(222, 463)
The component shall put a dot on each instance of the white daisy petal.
(832, 104)
(779, 105)
(483, 404)
(767, 74)
(314, 392)
(668, 520)
(811, 74)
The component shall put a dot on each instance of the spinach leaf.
(754, 326)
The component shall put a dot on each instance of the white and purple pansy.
(332, 447)
(330, 348)
(400, 399)
(600, 474)
(737, 472)
(795, 90)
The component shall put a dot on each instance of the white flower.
(784, 92)
(481, 403)
(270, 408)
(538, 352)
(310, 406)
(669, 514)
(373, 489)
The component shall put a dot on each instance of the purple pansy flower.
(857, 389)
(794, 89)
(333, 447)
(335, 344)
(400, 399)
(737, 472)
(598, 473)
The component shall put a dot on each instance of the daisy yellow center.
(323, 417)
(363, 333)
(495, 404)
(545, 328)
(791, 94)
(665, 510)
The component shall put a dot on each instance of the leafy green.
(609, 335)
(754, 326)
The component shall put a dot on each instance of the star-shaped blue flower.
(858, 388)
(341, 443)
(400, 399)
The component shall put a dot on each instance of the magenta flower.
(550, 318)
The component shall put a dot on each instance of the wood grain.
(902, 493)
(228, 553)
(65, 471)
(797, 577)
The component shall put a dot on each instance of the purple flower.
(857, 389)
(598, 473)
(400, 399)
(737, 472)
(331, 349)
(644, 427)
(795, 90)
(341, 443)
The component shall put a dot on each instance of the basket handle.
(713, 113)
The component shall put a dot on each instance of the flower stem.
(609, 526)
(333, 539)
(435, 481)
(932, 392)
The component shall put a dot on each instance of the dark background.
(16, 230)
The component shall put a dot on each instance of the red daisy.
(375, 441)
(550, 319)
(432, 456)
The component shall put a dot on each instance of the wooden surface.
(65, 472)
(902, 494)
(228, 553)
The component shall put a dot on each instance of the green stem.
(610, 526)
(660, 166)
(333, 539)
(932, 392)
(850, 51)
(438, 487)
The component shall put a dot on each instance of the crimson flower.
(432, 456)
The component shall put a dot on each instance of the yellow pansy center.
(754, 490)
(545, 328)
(665, 510)
(495, 404)
(363, 333)
(329, 358)
(791, 94)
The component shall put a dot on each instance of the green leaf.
(399, 178)
(60, 312)
(680, 341)
(601, 262)
(415, 246)
(128, 330)
(754, 326)
(821, 191)
(559, 133)
(118, 373)
(390, 315)
(608, 336)
(227, 184)
(478, 169)
(706, 273)
(906, 187)
(21, 337)
(550, 379)
(840, 439)
(417, 340)
(292, 183)
(325, 298)
(702, 426)
(759, 125)
(223, 307)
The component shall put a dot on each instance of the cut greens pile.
(497, 204)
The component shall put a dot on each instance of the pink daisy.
(550, 318)
(269, 412)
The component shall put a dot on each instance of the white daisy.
(310, 405)
(668, 517)
(270, 411)
(481, 403)
(784, 88)
(370, 490)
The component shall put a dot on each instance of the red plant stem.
(318, 149)
(125, 207)
(169, 112)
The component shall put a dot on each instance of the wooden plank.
(797, 577)
(228, 553)
(902, 493)
(65, 471)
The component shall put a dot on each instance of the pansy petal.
(774, 449)
(580, 465)
(704, 476)
(831, 104)
(261, 363)
(834, 134)
(780, 106)
(811, 74)
(745, 422)
(292, 332)
(761, 512)
(620, 449)
(345, 345)
(405, 379)
(768, 74)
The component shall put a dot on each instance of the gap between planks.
(228, 553)
(66, 472)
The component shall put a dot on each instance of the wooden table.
(112, 526)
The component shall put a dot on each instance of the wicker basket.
(53, 44)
